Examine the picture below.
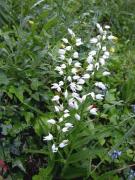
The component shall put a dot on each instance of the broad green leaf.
(51, 23)
(74, 172)
(3, 79)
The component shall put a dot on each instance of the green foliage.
(30, 36)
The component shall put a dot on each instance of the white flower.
(61, 119)
(93, 111)
(92, 95)
(77, 117)
(63, 143)
(101, 30)
(86, 76)
(83, 98)
(77, 64)
(66, 115)
(56, 86)
(65, 129)
(73, 86)
(93, 40)
(73, 104)
(71, 32)
(90, 67)
(99, 45)
(59, 108)
(79, 42)
(48, 138)
(69, 125)
(66, 111)
(61, 83)
(106, 73)
(76, 95)
(68, 48)
(106, 53)
(63, 66)
(65, 40)
(90, 59)
(92, 53)
(100, 85)
(58, 68)
(104, 37)
(102, 61)
(98, 25)
(105, 56)
(62, 51)
(74, 70)
(80, 81)
(75, 55)
(66, 94)
(70, 61)
(54, 148)
(69, 78)
(56, 98)
(99, 96)
(76, 77)
(97, 65)
(62, 57)
(107, 27)
(51, 121)
(104, 48)
(61, 72)
(78, 87)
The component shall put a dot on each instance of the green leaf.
(79, 156)
(3, 79)
(18, 92)
(74, 172)
(18, 163)
(44, 173)
(51, 23)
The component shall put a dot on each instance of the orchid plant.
(71, 97)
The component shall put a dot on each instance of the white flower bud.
(54, 148)
(63, 143)
(48, 138)
(51, 121)
(99, 96)
(93, 40)
(77, 64)
(86, 76)
(56, 98)
(63, 66)
(79, 42)
(106, 73)
(65, 40)
(76, 55)
(80, 81)
(62, 51)
(68, 48)
(100, 85)
(71, 32)
(77, 116)
(93, 111)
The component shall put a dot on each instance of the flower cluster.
(131, 174)
(115, 154)
(74, 73)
